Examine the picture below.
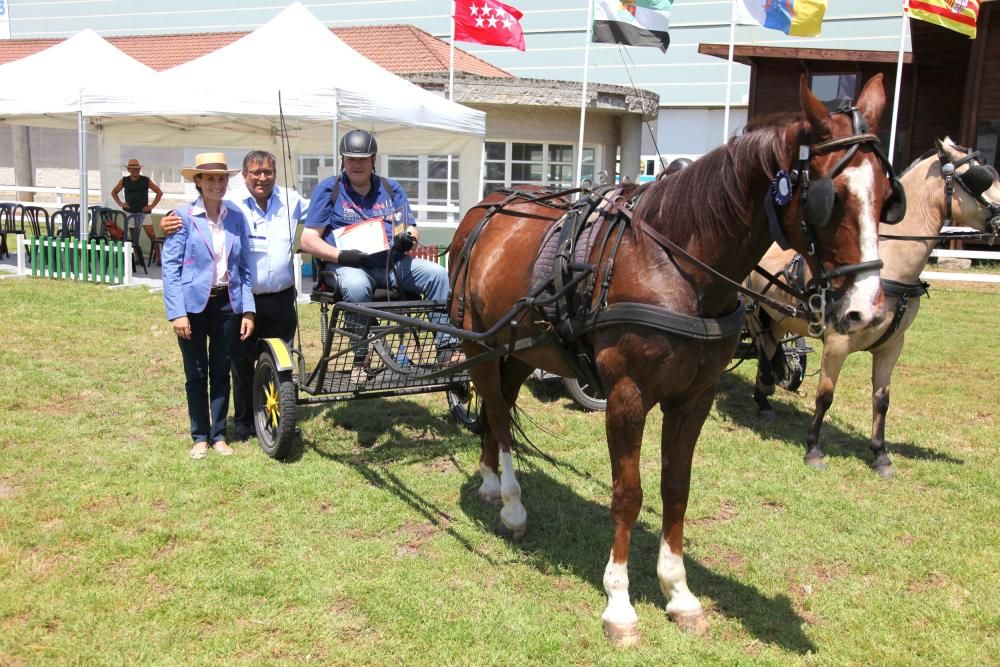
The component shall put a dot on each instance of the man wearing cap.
(359, 195)
(137, 187)
(272, 216)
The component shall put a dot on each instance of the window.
(511, 163)
(312, 170)
(423, 177)
(834, 90)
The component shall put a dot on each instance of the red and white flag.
(488, 22)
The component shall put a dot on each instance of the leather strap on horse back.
(904, 292)
(661, 319)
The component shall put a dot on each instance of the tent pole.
(899, 81)
(84, 201)
(729, 74)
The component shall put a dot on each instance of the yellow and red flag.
(957, 15)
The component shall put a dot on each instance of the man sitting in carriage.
(359, 204)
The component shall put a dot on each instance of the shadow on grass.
(567, 532)
(734, 401)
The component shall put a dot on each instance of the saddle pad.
(545, 260)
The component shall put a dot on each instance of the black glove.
(403, 242)
(352, 258)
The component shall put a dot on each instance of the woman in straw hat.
(208, 297)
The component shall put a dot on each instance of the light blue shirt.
(271, 236)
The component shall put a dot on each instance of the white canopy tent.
(230, 97)
(31, 92)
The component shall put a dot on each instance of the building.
(532, 124)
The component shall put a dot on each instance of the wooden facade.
(950, 86)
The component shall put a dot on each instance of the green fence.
(94, 260)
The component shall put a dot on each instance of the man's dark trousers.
(275, 319)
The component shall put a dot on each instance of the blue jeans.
(206, 369)
(410, 274)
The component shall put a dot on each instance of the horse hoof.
(768, 415)
(512, 534)
(694, 623)
(622, 635)
(816, 462)
(884, 471)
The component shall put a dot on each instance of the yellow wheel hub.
(271, 403)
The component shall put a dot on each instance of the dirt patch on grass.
(7, 488)
(443, 465)
(724, 514)
(417, 534)
(728, 558)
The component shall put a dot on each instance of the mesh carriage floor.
(372, 355)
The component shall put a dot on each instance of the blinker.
(978, 179)
(819, 203)
(894, 208)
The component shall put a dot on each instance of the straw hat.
(208, 163)
(132, 162)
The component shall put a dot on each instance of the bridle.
(976, 180)
(818, 197)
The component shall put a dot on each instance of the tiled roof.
(402, 49)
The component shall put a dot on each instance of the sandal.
(199, 451)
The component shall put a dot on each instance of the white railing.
(968, 277)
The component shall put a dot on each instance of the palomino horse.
(933, 200)
(663, 282)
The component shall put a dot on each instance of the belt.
(218, 291)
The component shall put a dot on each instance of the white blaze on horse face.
(619, 610)
(862, 295)
(673, 582)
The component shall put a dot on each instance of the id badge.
(258, 244)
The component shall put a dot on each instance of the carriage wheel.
(465, 406)
(586, 396)
(274, 398)
(794, 368)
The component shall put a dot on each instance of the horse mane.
(709, 199)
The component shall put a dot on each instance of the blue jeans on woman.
(206, 369)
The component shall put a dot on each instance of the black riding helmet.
(358, 143)
(676, 165)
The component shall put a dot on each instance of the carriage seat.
(325, 292)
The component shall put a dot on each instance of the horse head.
(838, 184)
(972, 188)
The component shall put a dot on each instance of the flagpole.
(451, 98)
(451, 56)
(729, 70)
(583, 95)
(899, 78)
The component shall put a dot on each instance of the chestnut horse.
(690, 239)
(948, 186)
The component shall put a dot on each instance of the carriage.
(366, 350)
(648, 310)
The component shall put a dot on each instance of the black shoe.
(245, 433)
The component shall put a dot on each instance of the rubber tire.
(279, 440)
(465, 407)
(586, 397)
(796, 359)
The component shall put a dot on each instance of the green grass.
(372, 548)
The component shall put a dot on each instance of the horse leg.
(883, 362)
(498, 384)
(624, 420)
(682, 423)
(834, 354)
(764, 385)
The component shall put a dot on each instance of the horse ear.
(816, 112)
(872, 101)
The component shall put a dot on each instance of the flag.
(488, 22)
(632, 22)
(958, 15)
(798, 18)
